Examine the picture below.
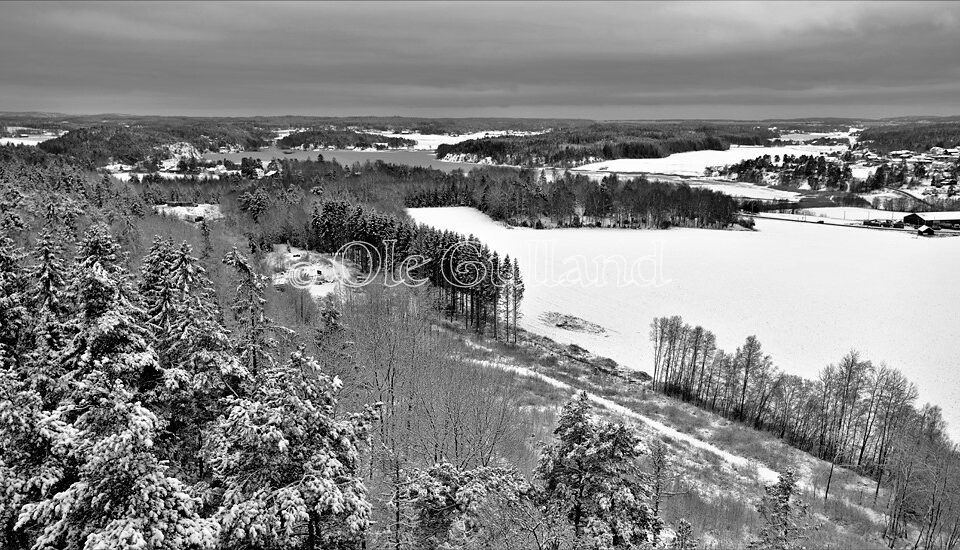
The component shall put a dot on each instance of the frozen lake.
(809, 292)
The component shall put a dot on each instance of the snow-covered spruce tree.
(46, 295)
(194, 350)
(27, 391)
(458, 508)
(200, 344)
(156, 289)
(286, 466)
(252, 340)
(47, 300)
(106, 487)
(24, 470)
(782, 516)
(12, 310)
(593, 474)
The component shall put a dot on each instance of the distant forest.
(915, 137)
(94, 146)
(597, 142)
(60, 121)
(521, 199)
(342, 139)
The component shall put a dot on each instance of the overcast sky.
(591, 60)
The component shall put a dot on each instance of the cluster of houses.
(938, 162)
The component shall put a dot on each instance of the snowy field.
(319, 274)
(30, 141)
(842, 216)
(851, 213)
(743, 189)
(862, 171)
(693, 163)
(810, 136)
(190, 213)
(809, 292)
(838, 215)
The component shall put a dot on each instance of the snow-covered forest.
(159, 391)
(156, 392)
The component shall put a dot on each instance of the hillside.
(913, 136)
(721, 467)
(342, 139)
(129, 144)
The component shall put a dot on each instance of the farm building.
(917, 219)
(924, 231)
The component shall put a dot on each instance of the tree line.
(816, 171)
(342, 139)
(568, 147)
(856, 414)
(918, 137)
(575, 200)
(473, 283)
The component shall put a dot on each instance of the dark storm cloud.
(612, 60)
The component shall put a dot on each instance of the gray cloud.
(595, 60)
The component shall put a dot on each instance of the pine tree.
(507, 290)
(782, 515)
(155, 287)
(25, 468)
(592, 472)
(198, 364)
(110, 489)
(287, 464)
(518, 289)
(252, 339)
(12, 311)
(453, 507)
(47, 300)
(207, 249)
(684, 539)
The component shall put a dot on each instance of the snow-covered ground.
(693, 163)
(319, 274)
(764, 473)
(838, 215)
(429, 142)
(850, 134)
(850, 213)
(880, 194)
(190, 213)
(809, 292)
(30, 140)
(861, 171)
(743, 189)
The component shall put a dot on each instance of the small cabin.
(925, 231)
